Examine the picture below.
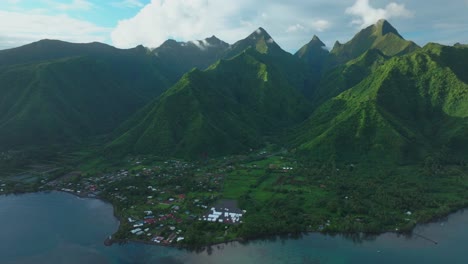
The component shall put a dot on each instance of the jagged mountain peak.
(383, 27)
(210, 42)
(381, 35)
(169, 43)
(316, 42)
(316, 39)
(261, 33)
(337, 44)
(314, 48)
(259, 40)
(380, 29)
(214, 40)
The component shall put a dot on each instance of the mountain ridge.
(189, 99)
(250, 107)
(381, 35)
(390, 115)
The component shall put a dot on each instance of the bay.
(58, 227)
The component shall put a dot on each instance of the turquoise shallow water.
(61, 228)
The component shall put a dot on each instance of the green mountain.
(376, 98)
(234, 105)
(409, 108)
(45, 50)
(176, 58)
(259, 40)
(293, 68)
(330, 73)
(315, 55)
(459, 45)
(59, 92)
(345, 76)
(381, 36)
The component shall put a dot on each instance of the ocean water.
(61, 228)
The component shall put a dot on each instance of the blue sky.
(127, 23)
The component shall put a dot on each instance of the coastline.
(109, 241)
(435, 219)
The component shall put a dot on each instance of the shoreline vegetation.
(166, 202)
(358, 237)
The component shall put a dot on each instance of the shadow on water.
(283, 238)
(358, 238)
(169, 260)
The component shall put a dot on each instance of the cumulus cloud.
(316, 25)
(229, 20)
(181, 20)
(321, 25)
(26, 27)
(367, 15)
(295, 28)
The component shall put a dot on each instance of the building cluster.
(149, 222)
(223, 215)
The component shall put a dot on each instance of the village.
(156, 202)
(189, 204)
(180, 203)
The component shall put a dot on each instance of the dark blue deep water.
(61, 228)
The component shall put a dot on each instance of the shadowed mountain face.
(315, 55)
(226, 109)
(176, 58)
(232, 106)
(60, 92)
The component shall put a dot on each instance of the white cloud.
(367, 15)
(73, 5)
(181, 20)
(321, 25)
(316, 25)
(295, 28)
(185, 20)
(128, 4)
(18, 28)
(201, 44)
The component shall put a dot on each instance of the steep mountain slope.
(381, 36)
(176, 58)
(259, 40)
(48, 99)
(226, 109)
(315, 55)
(345, 76)
(293, 68)
(411, 107)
